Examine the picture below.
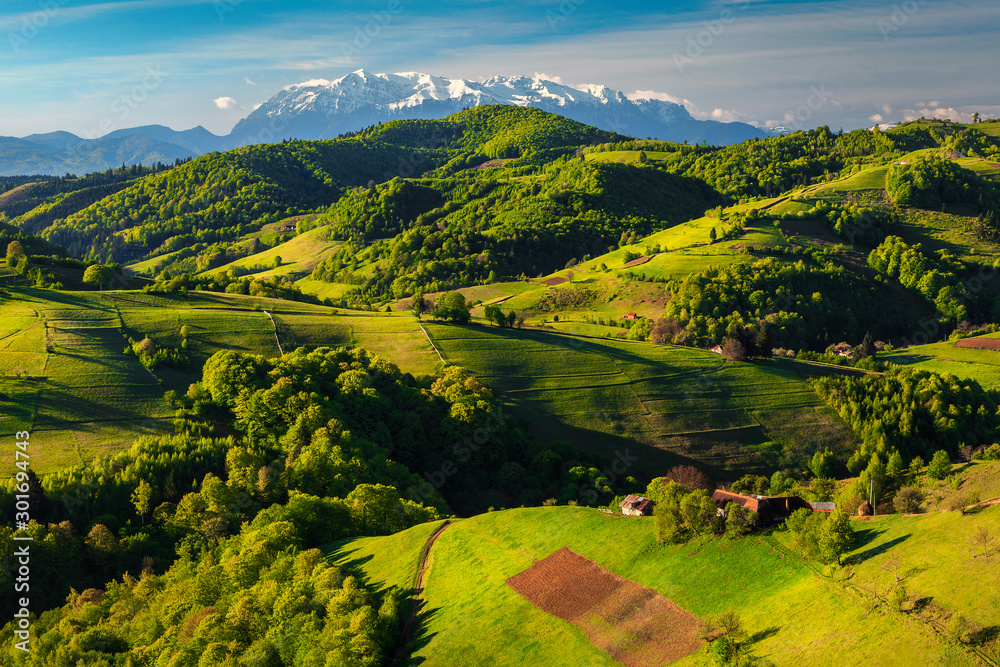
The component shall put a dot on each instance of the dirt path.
(418, 590)
(276, 339)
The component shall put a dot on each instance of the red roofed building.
(631, 316)
(769, 509)
(637, 506)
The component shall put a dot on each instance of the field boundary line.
(433, 346)
(275, 327)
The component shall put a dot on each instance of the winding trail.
(418, 588)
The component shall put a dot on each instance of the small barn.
(637, 506)
(769, 509)
(717, 349)
(632, 317)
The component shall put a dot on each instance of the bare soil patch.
(980, 343)
(637, 262)
(552, 282)
(492, 164)
(636, 625)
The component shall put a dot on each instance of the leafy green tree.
(699, 511)
(823, 464)
(452, 306)
(779, 484)
(895, 465)
(751, 485)
(141, 498)
(15, 253)
(836, 536)
(739, 520)
(668, 519)
(419, 305)
(713, 235)
(867, 347)
(98, 274)
(940, 465)
(821, 489)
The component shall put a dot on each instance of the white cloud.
(877, 118)
(549, 77)
(249, 82)
(226, 103)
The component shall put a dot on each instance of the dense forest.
(328, 444)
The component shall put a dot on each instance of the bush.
(908, 500)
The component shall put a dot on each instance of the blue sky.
(90, 67)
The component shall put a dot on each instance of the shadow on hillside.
(985, 635)
(421, 636)
(761, 635)
(864, 538)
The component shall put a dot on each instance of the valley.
(259, 382)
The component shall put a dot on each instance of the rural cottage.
(637, 506)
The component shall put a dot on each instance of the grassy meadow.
(793, 611)
(668, 405)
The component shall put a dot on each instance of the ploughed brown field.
(980, 343)
(552, 282)
(636, 625)
(637, 262)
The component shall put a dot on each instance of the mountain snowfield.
(322, 109)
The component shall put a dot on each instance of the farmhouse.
(717, 349)
(769, 509)
(632, 317)
(637, 506)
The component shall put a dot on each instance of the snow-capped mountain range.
(321, 109)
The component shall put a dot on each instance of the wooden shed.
(637, 506)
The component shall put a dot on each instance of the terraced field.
(667, 405)
(66, 378)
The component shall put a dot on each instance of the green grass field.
(983, 366)
(793, 613)
(667, 405)
(299, 256)
(628, 157)
(64, 375)
(84, 397)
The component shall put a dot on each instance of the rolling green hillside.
(794, 610)
(666, 405)
(63, 373)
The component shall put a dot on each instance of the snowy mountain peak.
(321, 108)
